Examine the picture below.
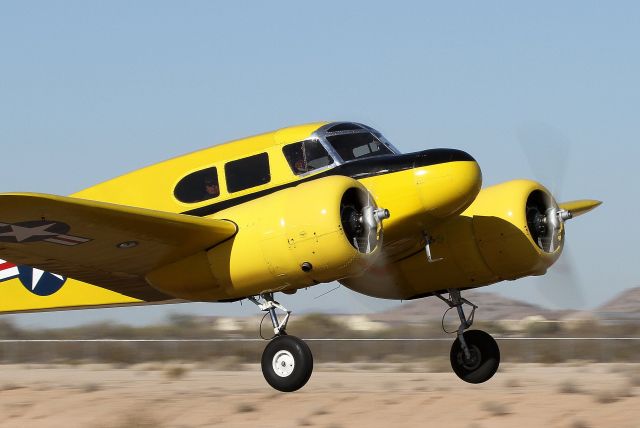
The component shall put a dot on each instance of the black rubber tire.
(485, 357)
(289, 346)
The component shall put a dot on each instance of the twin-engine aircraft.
(278, 212)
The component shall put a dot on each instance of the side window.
(247, 172)
(306, 156)
(198, 186)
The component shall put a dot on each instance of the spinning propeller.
(547, 151)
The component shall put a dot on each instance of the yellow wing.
(111, 246)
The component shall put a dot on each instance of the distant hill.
(494, 307)
(491, 307)
(624, 306)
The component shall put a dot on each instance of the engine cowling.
(319, 231)
(507, 232)
(517, 229)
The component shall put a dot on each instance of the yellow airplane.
(278, 212)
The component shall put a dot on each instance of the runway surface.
(224, 393)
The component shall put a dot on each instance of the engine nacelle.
(319, 231)
(511, 229)
(504, 234)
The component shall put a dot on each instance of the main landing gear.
(475, 355)
(287, 361)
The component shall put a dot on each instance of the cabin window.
(306, 156)
(198, 186)
(358, 145)
(247, 172)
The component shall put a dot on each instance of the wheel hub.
(474, 360)
(283, 363)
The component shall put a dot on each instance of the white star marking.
(37, 274)
(24, 233)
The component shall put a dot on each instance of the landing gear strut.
(475, 355)
(287, 362)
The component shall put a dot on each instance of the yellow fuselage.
(291, 229)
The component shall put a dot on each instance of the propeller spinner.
(362, 221)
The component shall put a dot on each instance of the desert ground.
(340, 395)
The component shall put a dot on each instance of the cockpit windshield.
(357, 145)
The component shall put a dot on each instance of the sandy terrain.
(592, 395)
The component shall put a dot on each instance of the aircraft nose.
(448, 181)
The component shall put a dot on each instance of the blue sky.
(90, 90)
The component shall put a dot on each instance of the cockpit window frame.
(323, 132)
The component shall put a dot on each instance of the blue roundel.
(39, 282)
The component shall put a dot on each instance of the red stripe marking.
(6, 265)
